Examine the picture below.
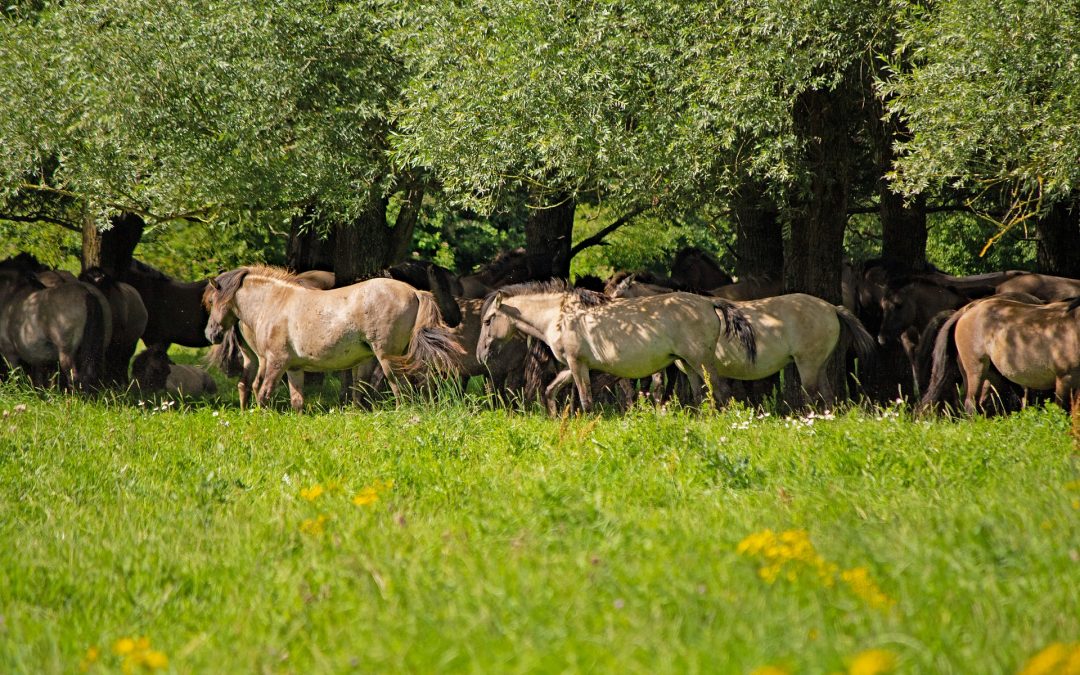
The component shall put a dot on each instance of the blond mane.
(271, 272)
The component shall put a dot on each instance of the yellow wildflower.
(872, 662)
(314, 526)
(859, 581)
(366, 496)
(123, 646)
(1073, 485)
(155, 660)
(1057, 658)
(788, 554)
(312, 493)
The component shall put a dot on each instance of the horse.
(629, 338)
(504, 367)
(801, 329)
(752, 288)
(1043, 286)
(153, 370)
(175, 312)
(697, 270)
(40, 327)
(999, 340)
(293, 329)
(129, 317)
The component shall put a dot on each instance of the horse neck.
(259, 300)
(537, 316)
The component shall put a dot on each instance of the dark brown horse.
(128, 322)
(175, 312)
(698, 271)
(1043, 286)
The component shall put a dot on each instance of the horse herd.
(698, 333)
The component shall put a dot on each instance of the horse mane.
(1073, 304)
(23, 261)
(148, 270)
(271, 272)
(583, 295)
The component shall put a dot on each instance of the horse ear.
(214, 284)
(497, 301)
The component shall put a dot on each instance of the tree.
(992, 99)
(198, 110)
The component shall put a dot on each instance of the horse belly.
(1026, 362)
(632, 359)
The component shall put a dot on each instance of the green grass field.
(454, 537)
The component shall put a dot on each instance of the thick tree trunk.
(759, 240)
(311, 246)
(118, 243)
(362, 247)
(813, 257)
(405, 224)
(903, 227)
(548, 238)
(1059, 240)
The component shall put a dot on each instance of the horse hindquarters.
(88, 362)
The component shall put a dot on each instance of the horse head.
(150, 369)
(495, 326)
(219, 299)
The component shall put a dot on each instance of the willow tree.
(199, 109)
(991, 96)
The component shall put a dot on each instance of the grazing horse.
(1043, 286)
(128, 322)
(504, 368)
(175, 312)
(629, 338)
(1000, 339)
(153, 370)
(753, 288)
(698, 271)
(293, 329)
(40, 327)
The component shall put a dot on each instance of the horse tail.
(862, 341)
(736, 325)
(924, 353)
(440, 283)
(227, 356)
(538, 359)
(90, 356)
(432, 344)
(944, 367)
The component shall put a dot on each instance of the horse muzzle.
(214, 334)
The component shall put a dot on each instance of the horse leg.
(976, 385)
(69, 374)
(580, 373)
(560, 381)
(391, 377)
(296, 389)
(247, 381)
(271, 373)
(1063, 391)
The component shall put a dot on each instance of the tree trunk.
(91, 243)
(814, 254)
(759, 240)
(1059, 240)
(362, 247)
(405, 224)
(548, 238)
(903, 228)
(118, 243)
(310, 246)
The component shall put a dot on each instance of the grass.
(510, 542)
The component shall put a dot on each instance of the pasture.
(454, 537)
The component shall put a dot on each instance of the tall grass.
(453, 536)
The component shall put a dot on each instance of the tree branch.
(598, 238)
(941, 208)
(41, 218)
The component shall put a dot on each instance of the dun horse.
(40, 327)
(293, 329)
(630, 338)
(1034, 346)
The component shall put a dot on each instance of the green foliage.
(991, 94)
(514, 543)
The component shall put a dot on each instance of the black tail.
(862, 341)
(945, 372)
(90, 356)
(924, 354)
(737, 325)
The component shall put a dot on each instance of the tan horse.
(1034, 346)
(629, 338)
(1043, 286)
(800, 329)
(292, 329)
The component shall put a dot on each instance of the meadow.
(191, 537)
